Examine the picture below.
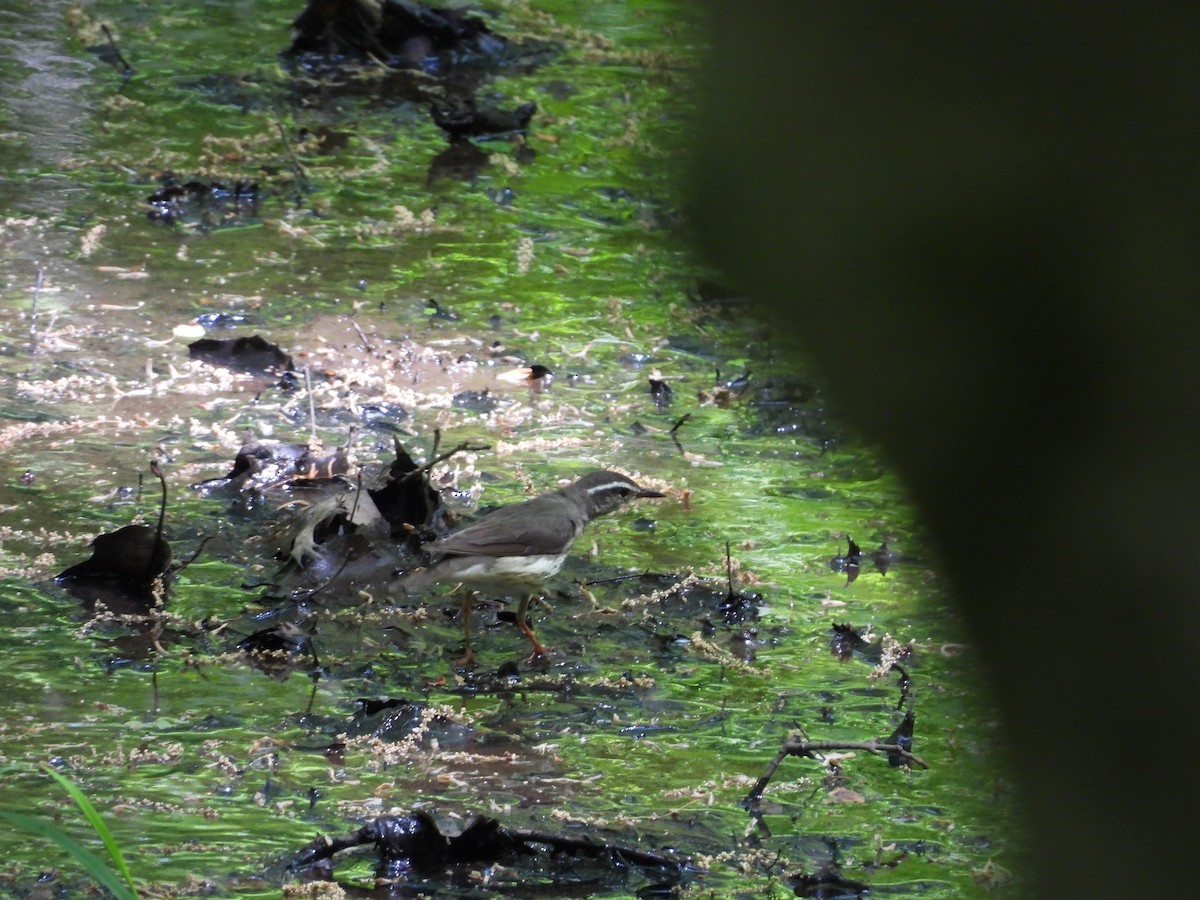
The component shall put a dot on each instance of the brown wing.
(509, 532)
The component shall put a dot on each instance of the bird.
(516, 548)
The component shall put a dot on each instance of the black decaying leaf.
(660, 391)
(475, 401)
(406, 500)
(275, 651)
(286, 638)
(884, 558)
(847, 641)
(414, 843)
(369, 707)
(253, 354)
(398, 32)
(204, 204)
(827, 883)
(463, 118)
(132, 556)
(849, 562)
(902, 737)
(738, 606)
(135, 554)
(260, 465)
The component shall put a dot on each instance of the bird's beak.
(646, 492)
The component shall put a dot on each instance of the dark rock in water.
(463, 118)
(397, 32)
(827, 881)
(246, 354)
(394, 720)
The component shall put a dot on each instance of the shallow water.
(397, 292)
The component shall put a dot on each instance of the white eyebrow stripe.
(610, 484)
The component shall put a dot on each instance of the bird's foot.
(466, 661)
(540, 655)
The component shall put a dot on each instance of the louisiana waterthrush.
(513, 550)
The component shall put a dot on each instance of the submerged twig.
(126, 68)
(675, 429)
(629, 576)
(312, 408)
(287, 145)
(361, 336)
(191, 559)
(595, 848)
(33, 322)
(797, 745)
(154, 564)
(729, 572)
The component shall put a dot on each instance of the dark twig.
(358, 489)
(362, 337)
(631, 576)
(33, 321)
(126, 68)
(729, 572)
(312, 592)
(795, 745)
(462, 447)
(595, 848)
(675, 429)
(287, 145)
(191, 559)
(155, 564)
(312, 409)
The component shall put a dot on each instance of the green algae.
(658, 723)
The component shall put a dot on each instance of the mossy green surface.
(212, 773)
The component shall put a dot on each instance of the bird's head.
(603, 491)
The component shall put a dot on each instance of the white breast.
(500, 573)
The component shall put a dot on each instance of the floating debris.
(204, 205)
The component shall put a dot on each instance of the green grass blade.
(97, 823)
(95, 866)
